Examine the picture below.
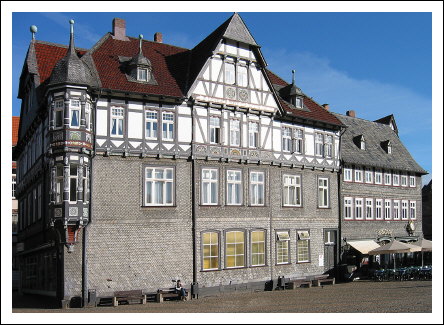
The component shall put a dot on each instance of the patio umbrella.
(425, 246)
(393, 247)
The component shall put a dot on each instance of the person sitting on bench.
(180, 289)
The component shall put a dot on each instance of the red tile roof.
(316, 112)
(169, 66)
(48, 55)
(15, 128)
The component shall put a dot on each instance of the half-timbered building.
(142, 162)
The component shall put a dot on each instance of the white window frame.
(143, 74)
(117, 117)
(369, 209)
(387, 178)
(151, 181)
(379, 209)
(151, 120)
(230, 73)
(85, 185)
(209, 181)
(14, 184)
(404, 180)
(215, 130)
(235, 132)
(299, 102)
(212, 243)
(348, 208)
(168, 126)
(59, 183)
(359, 208)
(299, 247)
(395, 179)
(404, 210)
(368, 176)
(348, 174)
(237, 242)
(388, 209)
(412, 181)
(59, 106)
(73, 179)
(235, 185)
(378, 176)
(295, 182)
(396, 210)
(412, 213)
(286, 139)
(259, 253)
(282, 245)
(74, 107)
(359, 175)
(298, 141)
(323, 192)
(242, 76)
(88, 116)
(253, 134)
(328, 146)
(319, 144)
(257, 188)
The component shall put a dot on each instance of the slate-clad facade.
(155, 162)
(380, 184)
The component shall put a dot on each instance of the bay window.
(74, 113)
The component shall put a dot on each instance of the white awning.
(364, 246)
(303, 234)
(283, 235)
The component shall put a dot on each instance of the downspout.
(193, 196)
(84, 239)
(341, 163)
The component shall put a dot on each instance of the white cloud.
(371, 99)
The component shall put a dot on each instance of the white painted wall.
(135, 125)
(102, 122)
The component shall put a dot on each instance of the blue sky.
(374, 63)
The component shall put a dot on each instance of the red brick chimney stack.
(351, 113)
(119, 29)
(158, 37)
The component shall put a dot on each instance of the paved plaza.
(353, 297)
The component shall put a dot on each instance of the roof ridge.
(60, 45)
(145, 40)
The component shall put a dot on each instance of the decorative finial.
(140, 42)
(71, 21)
(292, 80)
(33, 30)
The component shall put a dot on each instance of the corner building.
(142, 162)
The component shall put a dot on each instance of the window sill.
(279, 264)
(158, 206)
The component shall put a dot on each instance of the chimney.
(158, 37)
(119, 29)
(326, 107)
(351, 113)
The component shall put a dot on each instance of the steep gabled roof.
(388, 120)
(374, 154)
(312, 111)
(169, 65)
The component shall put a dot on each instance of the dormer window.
(362, 143)
(142, 74)
(389, 148)
(297, 101)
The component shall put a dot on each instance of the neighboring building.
(380, 187)
(427, 211)
(15, 274)
(142, 162)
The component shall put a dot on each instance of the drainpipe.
(84, 239)
(193, 196)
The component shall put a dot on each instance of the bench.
(299, 283)
(128, 296)
(170, 293)
(322, 279)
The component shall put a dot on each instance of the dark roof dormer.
(359, 141)
(139, 68)
(71, 69)
(390, 121)
(292, 94)
(387, 146)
